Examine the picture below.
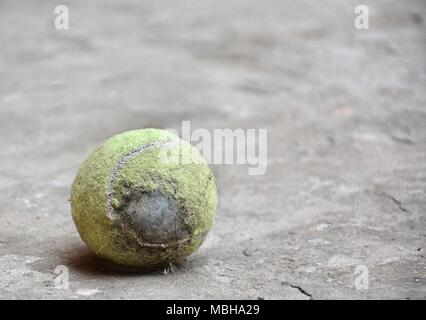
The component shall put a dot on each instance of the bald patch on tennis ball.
(135, 210)
(156, 217)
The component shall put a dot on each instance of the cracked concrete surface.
(346, 118)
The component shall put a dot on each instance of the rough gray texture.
(345, 112)
(155, 216)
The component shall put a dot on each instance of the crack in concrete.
(402, 140)
(396, 201)
(301, 290)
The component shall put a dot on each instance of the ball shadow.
(81, 259)
(85, 262)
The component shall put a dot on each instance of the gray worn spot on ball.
(155, 217)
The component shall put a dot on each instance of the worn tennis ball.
(144, 198)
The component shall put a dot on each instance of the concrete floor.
(345, 111)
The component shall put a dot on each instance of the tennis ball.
(144, 198)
